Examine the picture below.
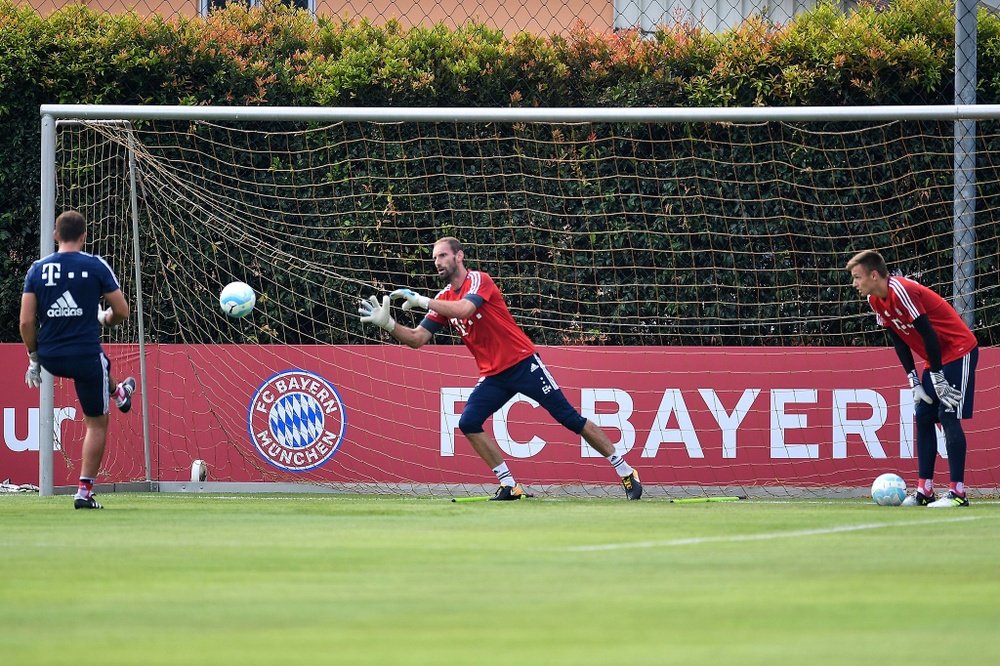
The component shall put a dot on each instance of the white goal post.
(626, 241)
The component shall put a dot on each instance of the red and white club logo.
(297, 420)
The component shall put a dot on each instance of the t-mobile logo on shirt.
(900, 325)
(50, 273)
(65, 306)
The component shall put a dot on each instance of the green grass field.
(188, 579)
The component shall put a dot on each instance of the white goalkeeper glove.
(918, 389)
(413, 299)
(104, 316)
(373, 313)
(33, 376)
(946, 393)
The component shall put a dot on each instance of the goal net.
(684, 281)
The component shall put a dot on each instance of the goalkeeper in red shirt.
(919, 321)
(472, 304)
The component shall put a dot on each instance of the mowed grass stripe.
(767, 536)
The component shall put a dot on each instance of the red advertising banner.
(389, 414)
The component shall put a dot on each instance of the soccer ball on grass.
(889, 490)
(237, 299)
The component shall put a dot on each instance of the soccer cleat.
(128, 388)
(507, 493)
(633, 489)
(89, 503)
(918, 499)
(949, 500)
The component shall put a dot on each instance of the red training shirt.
(906, 301)
(495, 340)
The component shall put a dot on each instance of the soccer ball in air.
(889, 490)
(237, 299)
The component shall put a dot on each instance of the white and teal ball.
(889, 490)
(237, 299)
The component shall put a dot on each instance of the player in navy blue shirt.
(61, 320)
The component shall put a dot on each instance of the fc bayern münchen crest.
(297, 420)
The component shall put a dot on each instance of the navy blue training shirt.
(69, 286)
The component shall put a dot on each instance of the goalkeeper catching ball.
(508, 364)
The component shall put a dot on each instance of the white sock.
(83, 492)
(504, 476)
(622, 468)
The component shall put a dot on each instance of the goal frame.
(52, 115)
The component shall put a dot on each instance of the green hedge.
(901, 54)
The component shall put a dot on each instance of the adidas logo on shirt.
(65, 306)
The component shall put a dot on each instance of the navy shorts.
(90, 375)
(960, 373)
(530, 377)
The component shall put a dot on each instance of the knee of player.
(947, 417)
(575, 422)
(470, 425)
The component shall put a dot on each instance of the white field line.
(764, 536)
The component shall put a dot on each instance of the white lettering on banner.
(942, 445)
(10, 438)
(617, 420)
(266, 398)
(502, 434)
(449, 417)
(906, 412)
(327, 401)
(730, 423)
(780, 422)
(783, 421)
(450, 396)
(659, 433)
(30, 441)
(866, 428)
(296, 420)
